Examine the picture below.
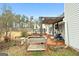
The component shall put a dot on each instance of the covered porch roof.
(51, 20)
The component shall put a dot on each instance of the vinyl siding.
(71, 11)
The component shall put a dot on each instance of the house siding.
(71, 24)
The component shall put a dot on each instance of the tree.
(7, 18)
(17, 21)
(24, 21)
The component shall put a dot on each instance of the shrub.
(7, 38)
(24, 34)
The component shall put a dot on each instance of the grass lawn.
(13, 48)
(64, 52)
(56, 52)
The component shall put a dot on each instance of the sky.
(36, 9)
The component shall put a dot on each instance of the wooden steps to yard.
(36, 44)
(40, 47)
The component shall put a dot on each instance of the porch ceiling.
(51, 20)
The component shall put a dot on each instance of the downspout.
(67, 33)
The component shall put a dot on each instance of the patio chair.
(59, 37)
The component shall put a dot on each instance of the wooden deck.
(52, 42)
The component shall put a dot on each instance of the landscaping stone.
(3, 54)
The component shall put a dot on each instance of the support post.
(52, 29)
(40, 26)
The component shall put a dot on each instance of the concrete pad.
(39, 47)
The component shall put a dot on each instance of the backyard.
(13, 48)
(34, 34)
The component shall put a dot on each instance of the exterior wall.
(72, 24)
